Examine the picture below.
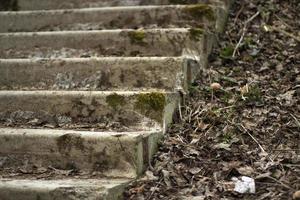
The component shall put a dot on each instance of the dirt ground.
(247, 123)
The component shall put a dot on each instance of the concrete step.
(71, 4)
(109, 154)
(107, 73)
(66, 107)
(166, 16)
(67, 44)
(68, 189)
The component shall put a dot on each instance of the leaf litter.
(247, 124)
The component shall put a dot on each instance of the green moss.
(196, 33)
(115, 100)
(68, 142)
(183, 2)
(9, 5)
(254, 94)
(200, 10)
(227, 137)
(151, 104)
(177, 1)
(226, 52)
(137, 36)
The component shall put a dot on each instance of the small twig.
(228, 107)
(285, 33)
(283, 184)
(239, 13)
(180, 113)
(296, 120)
(282, 21)
(286, 150)
(154, 190)
(256, 141)
(244, 32)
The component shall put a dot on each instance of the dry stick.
(244, 32)
(239, 13)
(282, 21)
(281, 183)
(285, 33)
(255, 140)
(180, 113)
(296, 120)
(149, 197)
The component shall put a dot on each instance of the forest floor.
(242, 117)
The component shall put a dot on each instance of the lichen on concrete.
(115, 100)
(68, 142)
(137, 36)
(196, 33)
(151, 104)
(200, 10)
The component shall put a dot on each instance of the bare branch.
(244, 32)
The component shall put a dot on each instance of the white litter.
(244, 184)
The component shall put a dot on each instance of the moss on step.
(196, 33)
(183, 1)
(68, 142)
(137, 36)
(200, 10)
(115, 100)
(177, 1)
(151, 104)
(9, 5)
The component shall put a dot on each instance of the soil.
(249, 126)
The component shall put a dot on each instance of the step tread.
(166, 16)
(106, 73)
(126, 42)
(70, 4)
(63, 108)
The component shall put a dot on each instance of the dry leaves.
(251, 127)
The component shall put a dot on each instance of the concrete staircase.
(87, 89)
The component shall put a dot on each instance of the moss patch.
(151, 104)
(254, 96)
(137, 36)
(68, 142)
(177, 1)
(115, 100)
(9, 5)
(196, 33)
(201, 10)
(183, 1)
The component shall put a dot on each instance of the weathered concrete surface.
(113, 154)
(71, 4)
(107, 73)
(45, 70)
(153, 42)
(126, 107)
(167, 16)
(69, 189)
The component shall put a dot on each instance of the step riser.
(93, 107)
(70, 4)
(110, 154)
(165, 42)
(66, 190)
(96, 74)
(108, 18)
